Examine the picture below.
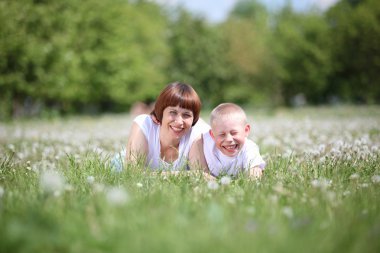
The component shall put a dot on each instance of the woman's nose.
(178, 119)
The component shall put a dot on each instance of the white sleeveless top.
(218, 163)
(152, 135)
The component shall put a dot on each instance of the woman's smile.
(177, 120)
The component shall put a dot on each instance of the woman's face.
(176, 121)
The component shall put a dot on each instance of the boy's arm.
(197, 158)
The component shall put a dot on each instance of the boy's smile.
(229, 133)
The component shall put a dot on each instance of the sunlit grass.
(320, 191)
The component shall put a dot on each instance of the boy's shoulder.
(250, 144)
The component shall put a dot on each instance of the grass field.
(320, 191)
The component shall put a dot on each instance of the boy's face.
(229, 134)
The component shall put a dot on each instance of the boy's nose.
(229, 137)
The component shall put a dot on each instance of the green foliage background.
(94, 56)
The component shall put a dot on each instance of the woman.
(166, 145)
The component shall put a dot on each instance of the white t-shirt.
(152, 135)
(218, 163)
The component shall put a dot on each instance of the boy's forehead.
(229, 119)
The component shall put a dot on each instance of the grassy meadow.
(320, 191)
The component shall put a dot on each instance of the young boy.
(226, 148)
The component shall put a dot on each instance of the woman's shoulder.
(201, 126)
(143, 119)
(145, 122)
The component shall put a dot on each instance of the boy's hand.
(255, 172)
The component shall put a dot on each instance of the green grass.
(302, 204)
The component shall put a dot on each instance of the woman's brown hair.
(180, 94)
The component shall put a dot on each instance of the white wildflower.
(98, 187)
(1, 191)
(354, 176)
(346, 193)
(250, 210)
(51, 181)
(90, 179)
(321, 148)
(231, 200)
(375, 179)
(213, 185)
(117, 196)
(11, 147)
(139, 185)
(321, 183)
(287, 211)
(226, 180)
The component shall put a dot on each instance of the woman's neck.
(169, 149)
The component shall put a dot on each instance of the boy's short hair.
(180, 94)
(226, 109)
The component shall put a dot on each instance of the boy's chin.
(230, 153)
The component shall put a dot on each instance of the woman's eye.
(173, 112)
(187, 116)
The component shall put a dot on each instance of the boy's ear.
(212, 135)
(247, 129)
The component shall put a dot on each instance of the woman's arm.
(137, 145)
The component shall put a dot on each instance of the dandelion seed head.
(346, 193)
(375, 179)
(1, 191)
(117, 196)
(98, 187)
(90, 179)
(321, 183)
(213, 185)
(231, 200)
(226, 180)
(51, 181)
(354, 176)
(287, 211)
(250, 210)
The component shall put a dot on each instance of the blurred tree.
(301, 44)
(250, 55)
(198, 57)
(355, 33)
(79, 54)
